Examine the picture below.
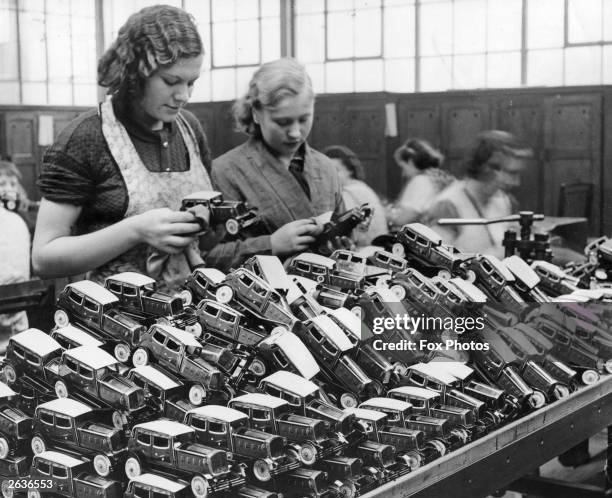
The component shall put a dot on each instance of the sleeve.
(227, 254)
(65, 176)
(442, 209)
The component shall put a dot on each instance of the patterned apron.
(147, 190)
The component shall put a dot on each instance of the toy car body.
(414, 290)
(31, 393)
(164, 391)
(351, 263)
(340, 226)
(27, 353)
(330, 345)
(305, 398)
(256, 295)
(324, 295)
(203, 283)
(94, 375)
(15, 426)
(355, 479)
(11, 468)
(314, 482)
(92, 306)
(179, 352)
(235, 215)
(228, 429)
(310, 437)
(324, 271)
(72, 426)
(270, 269)
(73, 337)
(148, 484)
(171, 446)
(283, 350)
(388, 261)
(64, 475)
(138, 296)
(553, 280)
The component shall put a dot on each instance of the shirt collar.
(134, 128)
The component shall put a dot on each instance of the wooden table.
(500, 458)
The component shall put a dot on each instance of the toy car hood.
(351, 322)
(132, 278)
(386, 404)
(317, 259)
(522, 271)
(37, 341)
(60, 458)
(212, 274)
(295, 350)
(423, 231)
(156, 481)
(414, 392)
(291, 382)
(365, 414)
(93, 357)
(468, 289)
(167, 427)
(454, 368)
(219, 412)
(432, 371)
(156, 377)
(260, 399)
(95, 291)
(66, 406)
(77, 335)
(499, 266)
(332, 332)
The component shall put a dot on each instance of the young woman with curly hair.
(112, 181)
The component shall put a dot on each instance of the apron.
(146, 191)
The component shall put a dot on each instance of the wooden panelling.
(419, 121)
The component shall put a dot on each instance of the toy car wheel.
(383, 281)
(38, 445)
(308, 454)
(320, 279)
(34, 493)
(4, 447)
(140, 358)
(195, 330)
(197, 394)
(60, 317)
(399, 291)
(608, 366)
(102, 465)
(348, 400)
(413, 459)
(122, 352)
(439, 446)
(199, 487)
(589, 377)
(232, 226)
(462, 434)
(347, 489)
(258, 367)
(11, 205)
(61, 389)
(7, 490)
(537, 400)
(470, 276)
(10, 374)
(357, 311)
(119, 420)
(224, 294)
(186, 296)
(398, 250)
(132, 467)
(400, 368)
(445, 274)
(261, 470)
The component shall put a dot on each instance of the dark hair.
(153, 37)
(422, 154)
(348, 158)
(486, 144)
(271, 83)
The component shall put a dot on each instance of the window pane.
(607, 14)
(364, 4)
(436, 29)
(436, 73)
(222, 10)
(270, 39)
(469, 71)
(399, 32)
(310, 38)
(223, 84)
(317, 75)
(470, 27)
(389, 3)
(367, 33)
(584, 21)
(340, 5)
(504, 70)
(340, 35)
(247, 41)
(583, 66)
(544, 23)
(270, 8)
(59, 46)
(339, 77)
(504, 21)
(33, 50)
(84, 50)
(9, 92)
(224, 44)
(369, 76)
(60, 93)
(545, 67)
(302, 6)
(8, 43)
(607, 65)
(34, 93)
(247, 9)
(243, 78)
(399, 75)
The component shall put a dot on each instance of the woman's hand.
(166, 230)
(294, 236)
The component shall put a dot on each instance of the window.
(302, 266)
(216, 427)
(76, 298)
(154, 391)
(330, 348)
(18, 351)
(91, 305)
(198, 423)
(63, 422)
(46, 418)
(32, 359)
(173, 346)
(43, 467)
(273, 391)
(63, 342)
(157, 494)
(86, 372)
(161, 442)
(114, 287)
(159, 337)
(71, 364)
(314, 333)
(292, 399)
(257, 414)
(227, 317)
(136, 379)
(140, 491)
(60, 472)
(144, 438)
(280, 358)
(129, 291)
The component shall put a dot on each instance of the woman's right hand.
(294, 236)
(166, 230)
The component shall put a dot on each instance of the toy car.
(235, 215)
(92, 306)
(203, 283)
(95, 376)
(12, 468)
(314, 482)
(341, 226)
(15, 426)
(72, 426)
(251, 293)
(73, 337)
(388, 261)
(324, 271)
(138, 296)
(351, 263)
(251, 491)
(146, 485)
(228, 429)
(553, 280)
(179, 352)
(171, 446)
(64, 475)
(283, 350)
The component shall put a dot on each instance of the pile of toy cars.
(265, 381)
